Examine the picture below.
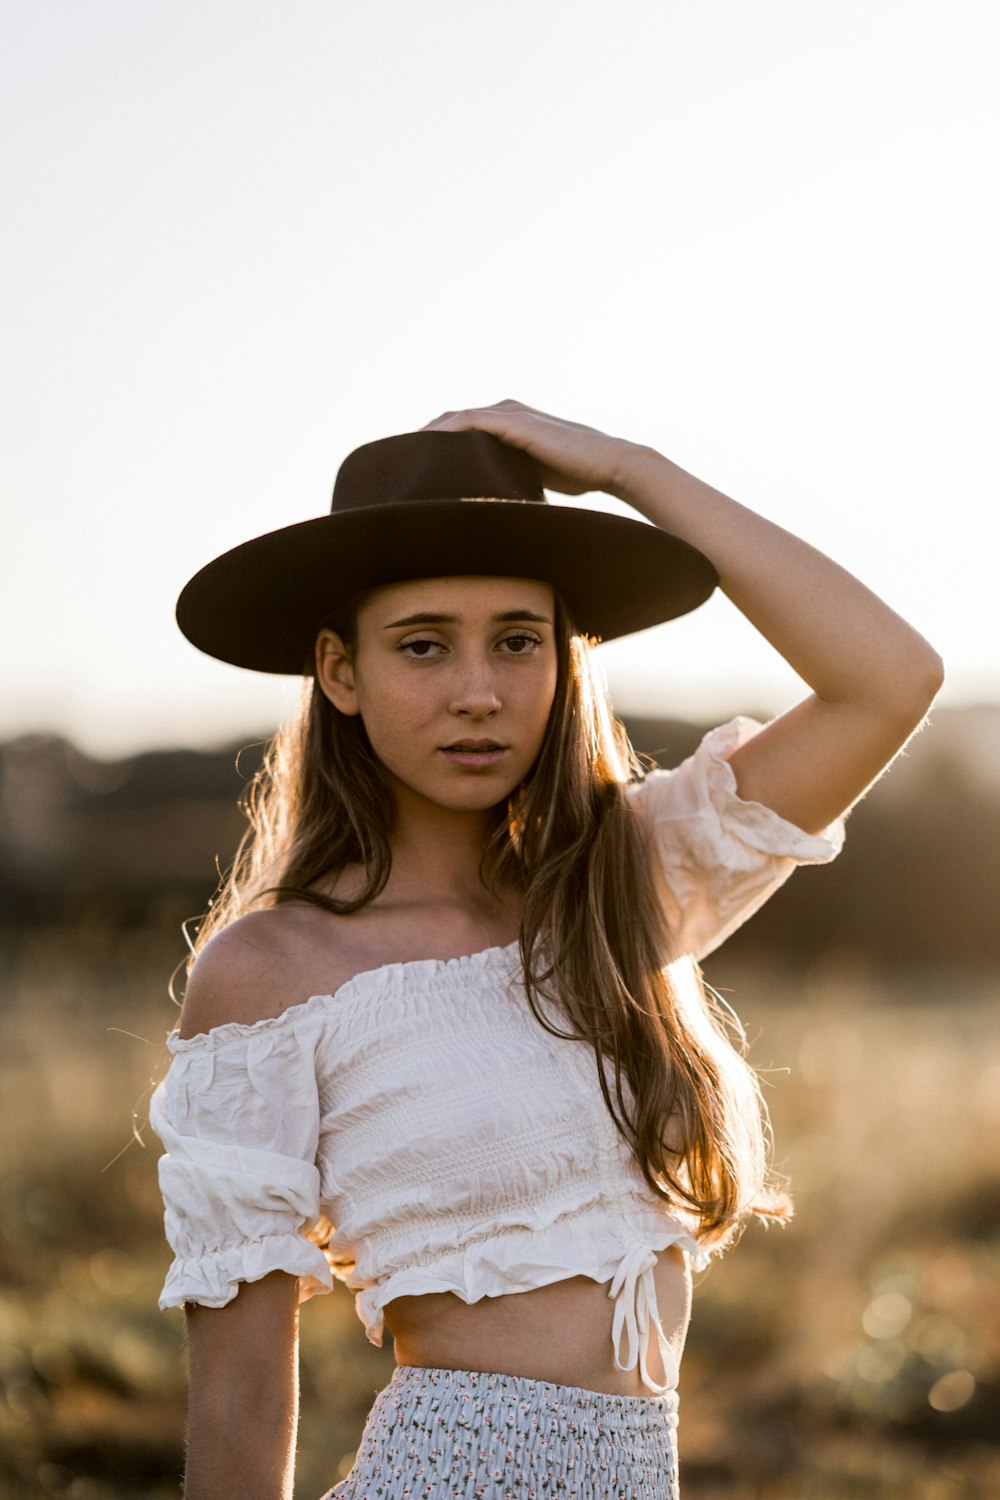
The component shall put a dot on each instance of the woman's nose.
(475, 691)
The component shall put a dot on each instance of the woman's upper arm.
(238, 1114)
(814, 762)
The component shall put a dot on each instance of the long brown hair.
(595, 947)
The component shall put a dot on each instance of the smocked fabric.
(455, 1145)
(439, 1434)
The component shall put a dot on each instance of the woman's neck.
(439, 858)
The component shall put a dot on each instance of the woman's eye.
(420, 649)
(521, 645)
(423, 649)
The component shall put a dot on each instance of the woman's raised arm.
(243, 1394)
(873, 677)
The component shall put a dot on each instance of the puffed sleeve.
(238, 1113)
(721, 857)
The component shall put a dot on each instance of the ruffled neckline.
(366, 979)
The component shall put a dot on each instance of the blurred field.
(856, 1353)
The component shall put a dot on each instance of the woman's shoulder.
(261, 964)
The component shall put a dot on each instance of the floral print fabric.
(468, 1435)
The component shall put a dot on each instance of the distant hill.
(136, 842)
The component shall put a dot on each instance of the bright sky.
(243, 238)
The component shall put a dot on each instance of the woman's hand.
(573, 459)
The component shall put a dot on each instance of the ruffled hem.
(752, 822)
(521, 1261)
(213, 1280)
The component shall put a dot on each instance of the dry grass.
(856, 1353)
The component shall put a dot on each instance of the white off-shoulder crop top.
(455, 1145)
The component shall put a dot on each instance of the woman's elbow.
(916, 684)
(928, 677)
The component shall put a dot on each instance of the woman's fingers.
(573, 458)
(485, 418)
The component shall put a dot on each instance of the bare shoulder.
(254, 969)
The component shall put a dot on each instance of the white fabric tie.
(634, 1293)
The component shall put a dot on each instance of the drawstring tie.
(633, 1291)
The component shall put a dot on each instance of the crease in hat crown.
(416, 466)
(400, 511)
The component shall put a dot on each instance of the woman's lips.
(475, 757)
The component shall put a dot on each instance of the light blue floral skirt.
(462, 1435)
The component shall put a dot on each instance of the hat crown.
(435, 466)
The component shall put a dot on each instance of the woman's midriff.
(560, 1332)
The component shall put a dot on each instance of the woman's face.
(454, 679)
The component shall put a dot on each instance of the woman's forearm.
(241, 1448)
(847, 644)
(243, 1394)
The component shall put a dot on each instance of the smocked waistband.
(614, 1412)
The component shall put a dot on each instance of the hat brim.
(261, 605)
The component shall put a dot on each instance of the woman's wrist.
(669, 496)
(639, 471)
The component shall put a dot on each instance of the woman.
(447, 999)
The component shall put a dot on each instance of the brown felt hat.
(430, 505)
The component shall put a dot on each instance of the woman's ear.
(335, 672)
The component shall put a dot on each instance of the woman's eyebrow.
(502, 617)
